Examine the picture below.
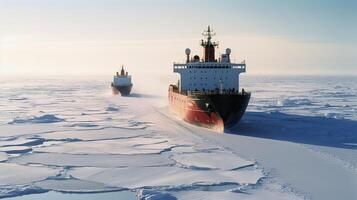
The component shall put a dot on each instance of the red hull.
(212, 110)
(187, 109)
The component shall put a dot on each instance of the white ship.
(122, 82)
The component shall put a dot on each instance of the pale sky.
(94, 37)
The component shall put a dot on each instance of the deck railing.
(174, 88)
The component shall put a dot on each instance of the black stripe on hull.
(230, 107)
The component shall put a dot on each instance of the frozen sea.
(71, 138)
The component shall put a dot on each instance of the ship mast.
(122, 72)
(209, 46)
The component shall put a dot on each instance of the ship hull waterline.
(214, 111)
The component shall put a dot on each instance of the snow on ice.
(75, 137)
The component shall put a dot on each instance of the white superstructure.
(205, 76)
(122, 79)
(209, 74)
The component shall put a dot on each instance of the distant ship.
(207, 93)
(122, 83)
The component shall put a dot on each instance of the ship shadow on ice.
(314, 130)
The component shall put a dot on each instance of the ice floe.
(94, 160)
(18, 190)
(74, 186)
(3, 156)
(154, 195)
(21, 141)
(15, 149)
(10, 131)
(90, 135)
(119, 146)
(228, 195)
(212, 160)
(164, 176)
(48, 118)
(15, 174)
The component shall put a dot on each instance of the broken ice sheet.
(163, 176)
(28, 129)
(257, 194)
(119, 146)
(213, 160)
(11, 173)
(21, 141)
(3, 157)
(101, 134)
(15, 149)
(94, 160)
(74, 186)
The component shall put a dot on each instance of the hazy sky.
(73, 37)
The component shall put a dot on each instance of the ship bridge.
(209, 74)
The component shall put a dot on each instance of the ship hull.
(123, 90)
(214, 111)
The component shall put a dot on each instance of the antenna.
(208, 33)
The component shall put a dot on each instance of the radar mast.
(208, 45)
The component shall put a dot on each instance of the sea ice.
(164, 176)
(120, 146)
(21, 142)
(112, 108)
(90, 135)
(94, 160)
(74, 186)
(16, 174)
(3, 157)
(28, 129)
(212, 160)
(154, 195)
(257, 194)
(18, 190)
(15, 149)
(48, 118)
(104, 143)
